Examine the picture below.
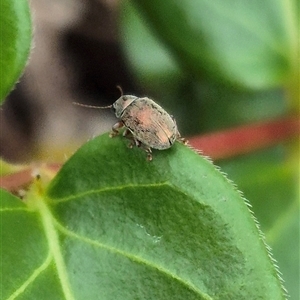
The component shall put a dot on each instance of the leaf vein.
(108, 189)
(135, 258)
(31, 278)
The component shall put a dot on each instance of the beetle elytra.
(146, 123)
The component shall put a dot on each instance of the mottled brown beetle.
(146, 123)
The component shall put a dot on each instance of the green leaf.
(247, 43)
(270, 181)
(15, 37)
(113, 225)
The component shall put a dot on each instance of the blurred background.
(212, 64)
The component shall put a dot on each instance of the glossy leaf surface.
(113, 225)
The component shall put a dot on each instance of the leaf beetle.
(146, 123)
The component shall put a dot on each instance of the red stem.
(245, 139)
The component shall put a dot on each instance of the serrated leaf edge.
(260, 233)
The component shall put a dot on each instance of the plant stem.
(245, 139)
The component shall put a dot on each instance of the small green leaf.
(15, 42)
(246, 43)
(113, 225)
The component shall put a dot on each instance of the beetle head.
(122, 103)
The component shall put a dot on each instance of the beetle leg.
(149, 157)
(127, 133)
(180, 139)
(149, 154)
(178, 135)
(147, 150)
(115, 129)
(133, 141)
(137, 142)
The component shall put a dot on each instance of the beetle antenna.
(120, 89)
(92, 106)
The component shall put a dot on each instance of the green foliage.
(243, 44)
(219, 64)
(15, 37)
(112, 225)
(210, 99)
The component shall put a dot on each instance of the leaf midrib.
(54, 246)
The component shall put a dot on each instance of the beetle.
(146, 123)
